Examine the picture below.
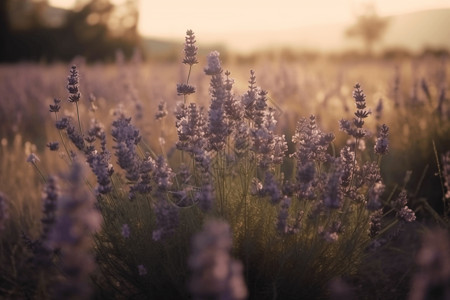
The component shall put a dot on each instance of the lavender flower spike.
(50, 202)
(162, 110)
(374, 202)
(215, 275)
(72, 85)
(213, 67)
(190, 50)
(382, 144)
(78, 220)
(403, 212)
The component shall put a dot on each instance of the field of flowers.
(210, 179)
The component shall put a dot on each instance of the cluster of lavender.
(356, 177)
(247, 125)
(99, 161)
(232, 130)
(225, 118)
(72, 233)
(62, 253)
(312, 145)
(145, 175)
(241, 126)
(283, 225)
(43, 253)
(126, 137)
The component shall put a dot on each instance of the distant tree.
(95, 29)
(369, 27)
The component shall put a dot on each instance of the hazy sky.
(212, 19)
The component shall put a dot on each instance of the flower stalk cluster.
(234, 158)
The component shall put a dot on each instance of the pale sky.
(215, 20)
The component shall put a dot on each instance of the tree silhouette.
(369, 27)
(95, 29)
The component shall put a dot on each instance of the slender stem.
(189, 74)
(440, 176)
(333, 149)
(78, 115)
(354, 164)
(187, 82)
(388, 227)
(39, 171)
(419, 184)
(62, 139)
(147, 148)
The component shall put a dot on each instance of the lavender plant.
(286, 233)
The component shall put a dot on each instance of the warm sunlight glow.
(232, 22)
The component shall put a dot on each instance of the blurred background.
(59, 30)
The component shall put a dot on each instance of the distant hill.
(159, 47)
(170, 49)
(412, 31)
(419, 29)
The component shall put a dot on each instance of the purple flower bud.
(213, 67)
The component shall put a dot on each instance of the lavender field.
(211, 178)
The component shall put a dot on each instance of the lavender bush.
(229, 205)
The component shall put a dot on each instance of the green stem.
(64, 144)
(62, 139)
(388, 227)
(419, 184)
(440, 176)
(354, 164)
(189, 74)
(39, 171)
(187, 82)
(78, 115)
